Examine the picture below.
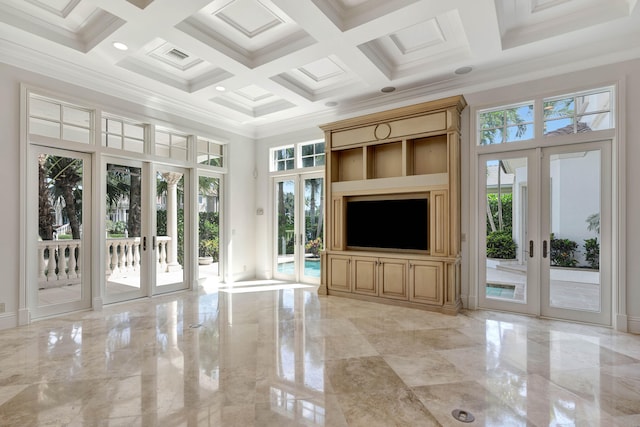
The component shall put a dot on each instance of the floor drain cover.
(464, 416)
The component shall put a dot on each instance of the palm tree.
(65, 179)
(46, 218)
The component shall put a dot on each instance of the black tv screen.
(388, 224)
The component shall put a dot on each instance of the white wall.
(239, 183)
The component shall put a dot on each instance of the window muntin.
(55, 119)
(122, 135)
(171, 145)
(284, 158)
(577, 113)
(312, 154)
(210, 153)
(506, 124)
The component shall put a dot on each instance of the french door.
(144, 229)
(545, 234)
(59, 264)
(299, 227)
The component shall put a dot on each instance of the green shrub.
(500, 245)
(507, 209)
(592, 252)
(563, 252)
(210, 248)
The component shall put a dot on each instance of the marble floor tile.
(250, 356)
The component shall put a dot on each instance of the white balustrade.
(59, 261)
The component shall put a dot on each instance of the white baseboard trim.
(24, 317)
(469, 302)
(97, 304)
(8, 321)
(634, 325)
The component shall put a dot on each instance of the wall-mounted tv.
(397, 222)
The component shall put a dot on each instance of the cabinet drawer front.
(393, 278)
(364, 276)
(339, 273)
(427, 282)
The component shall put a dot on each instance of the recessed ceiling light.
(331, 104)
(463, 70)
(120, 46)
(387, 89)
(221, 88)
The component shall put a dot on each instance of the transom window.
(577, 113)
(59, 120)
(506, 124)
(312, 154)
(171, 145)
(210, 153)
(122, 135)
(284, 158)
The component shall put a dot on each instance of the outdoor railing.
(59, 260)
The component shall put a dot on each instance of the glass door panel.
(575, 219)
(506, 266)
(208, 229)
(168, 241)
(313, 208)
(286, 236)
(123, 230)
(62, 245)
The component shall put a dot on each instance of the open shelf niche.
(406, 153)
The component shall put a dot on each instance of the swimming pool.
(311, 268)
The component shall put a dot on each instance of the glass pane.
(319, 147)
(44, 128)
(113, 141)
(112, 126)
(559, 108)
(289, 164)
(313, 226)
(163, 150)
(208, 229)
(179, 141)
(519, 115)
(594, 102)
(169, 228)
(123, 229)
(134, 145)
(73, 133)
(75, 116)
(307, 162)
(307, 150)
(558, 127)
(320, 160)
(575, 230)
(202, 146)
(203, 159)
(44, 109)
(506, 228)
(60, 185)
(598, 121)
(215, 161)
(492, 119)
(285, 214)
(134, 131)
(163, 138)
(493, 136)
(519, 133)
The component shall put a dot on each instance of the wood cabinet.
(409, 152)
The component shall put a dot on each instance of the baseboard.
(634, 325)
(97, 304)
(8, 321)
(469, 302)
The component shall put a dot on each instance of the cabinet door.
(426, 282)
(339, 273)
(393, 278)
(364, 275)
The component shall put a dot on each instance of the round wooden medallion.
(382, 131)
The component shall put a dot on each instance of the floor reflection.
(274, 354)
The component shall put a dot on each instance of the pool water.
(500, 291)
(311, 268)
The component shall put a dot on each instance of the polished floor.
(280, 355)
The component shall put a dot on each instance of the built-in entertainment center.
(393, 206)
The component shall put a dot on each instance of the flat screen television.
(394, 223)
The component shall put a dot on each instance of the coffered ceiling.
(261, 67)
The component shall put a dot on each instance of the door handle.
(530, 248)
(153, 241)
(144, 243)
(544, 249)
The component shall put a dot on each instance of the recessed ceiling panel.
(524, 22)
(173, 65)
(253, 101)
(348, 14)
(250, 31)
(413, 49)
(80, 26)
